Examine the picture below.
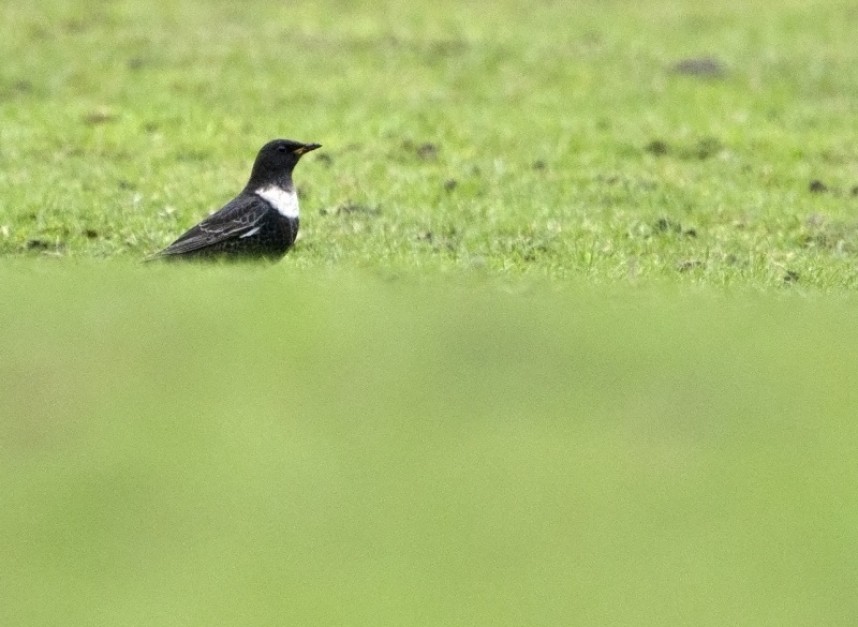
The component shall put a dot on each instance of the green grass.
(235, 446)
(125, 123)
(567, 337)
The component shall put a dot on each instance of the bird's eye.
(281, 148)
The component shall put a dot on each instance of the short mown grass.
(550, 139)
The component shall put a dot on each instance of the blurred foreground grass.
(235, 445)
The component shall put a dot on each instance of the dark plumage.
(262, 221)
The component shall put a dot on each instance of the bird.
(261, 222)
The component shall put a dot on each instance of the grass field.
(551, 138)
(568, 337)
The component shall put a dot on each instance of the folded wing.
(236, 219)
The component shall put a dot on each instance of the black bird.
(262, 221)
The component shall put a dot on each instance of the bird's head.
(277, 158)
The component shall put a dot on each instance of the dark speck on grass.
(706, 148)
(445, 240)
(40, 244)
(699, 67)
(90, 233)
(539, 164)
(790, 277)
(426, 151)
(99, 116)
(657, 147)
(22, 87)
(665, 225)
(135, 63)
(854, 190)
(817, 187)
(351, 208)
(703, 149)
(450, 184)
(325, 159)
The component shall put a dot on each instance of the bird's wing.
(235, 219)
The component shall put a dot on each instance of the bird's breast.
(285, 201)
